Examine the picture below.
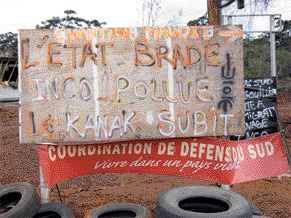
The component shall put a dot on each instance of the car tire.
(54, 209)
(258, 216)
(202, 201)
(120, 210)
(18, 200)
(255, 210)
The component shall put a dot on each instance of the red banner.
(215, 160)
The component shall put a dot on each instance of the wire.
(227, 4)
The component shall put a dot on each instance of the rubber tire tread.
(60, 208)
(168, 203)
(141, 211)
(255, 210)
(28, 204)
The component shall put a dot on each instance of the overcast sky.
(24, 14)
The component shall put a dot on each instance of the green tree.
(257, 54)
(70, 20)
(200, 21)
(256, 57)
(8, 44)
(283, 38)
(8, 41)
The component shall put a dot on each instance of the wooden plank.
(128, 83)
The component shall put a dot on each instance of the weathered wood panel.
(129, 83)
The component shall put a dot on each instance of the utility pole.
(214, 12)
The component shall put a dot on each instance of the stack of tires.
(20, 199)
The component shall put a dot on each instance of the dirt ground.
(20, 163)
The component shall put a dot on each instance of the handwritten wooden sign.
(128, 83)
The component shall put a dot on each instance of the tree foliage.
(257, 53)
(201, 21)
(283, 38)
(8, 44)
(8, 41)
(70, 20)
(256, 58)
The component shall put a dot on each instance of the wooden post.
(214, 12)
(44, 190)
(214, 18)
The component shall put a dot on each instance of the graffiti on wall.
(130, 83)
(260, 107)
